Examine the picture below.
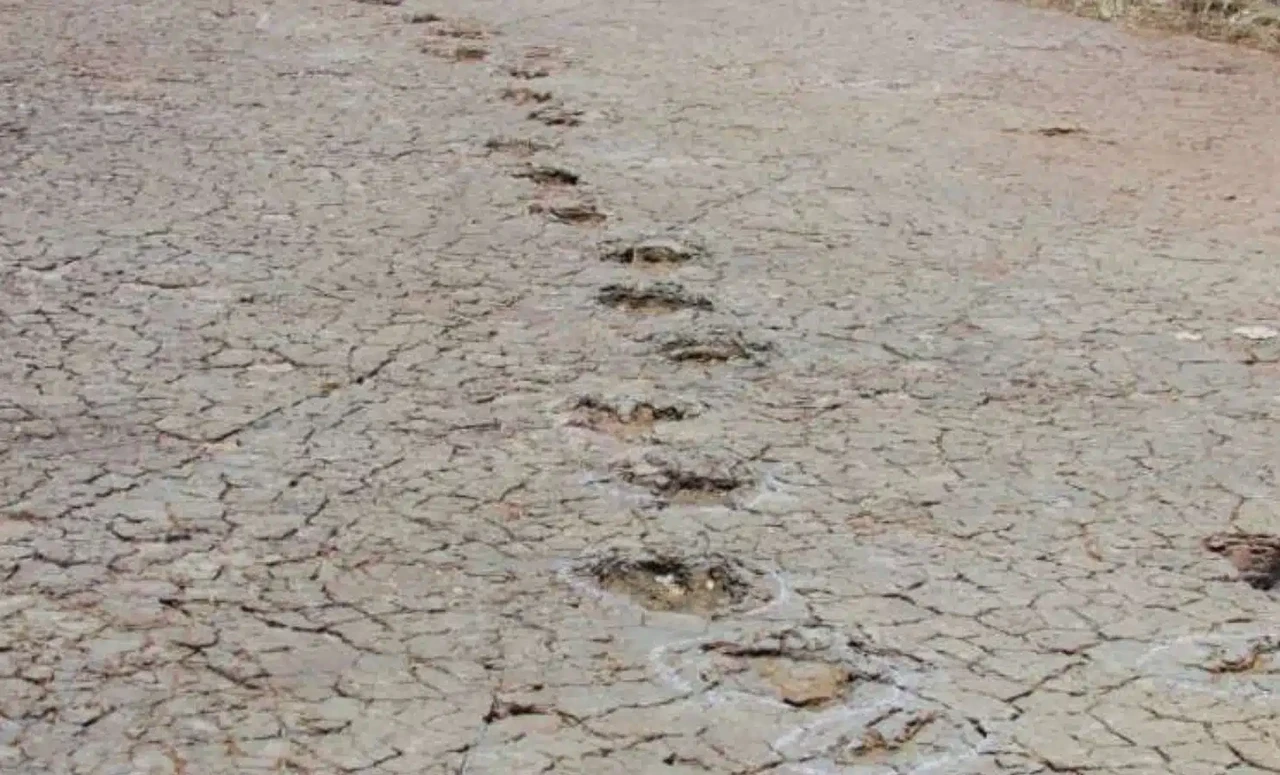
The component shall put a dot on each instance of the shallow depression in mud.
(834, 703)
(796, 677)
(655, 253)
(1255, 556)
(653, 299)
(576, 212)
(713, 346)
(693, 480)
(705, 585)
(624, 419)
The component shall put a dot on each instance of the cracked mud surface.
(976, 444)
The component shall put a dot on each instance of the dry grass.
(1254, 23)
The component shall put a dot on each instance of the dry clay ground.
(595, 387)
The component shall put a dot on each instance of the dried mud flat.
(513, 387)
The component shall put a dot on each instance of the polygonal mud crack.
(706, 585)
(658, 297)
(1256, 556)
(654, 253)
(714, 346)
(624, 418)
(695, 482)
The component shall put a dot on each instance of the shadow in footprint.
(457, 53)
(521, 95)
(514, 146)
(556, 115)
(623, 419)
(654, 253)
(546, 175)
(656, 298)
(1255, 556)
(713, 346)
(696, 481)
(571, 212)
